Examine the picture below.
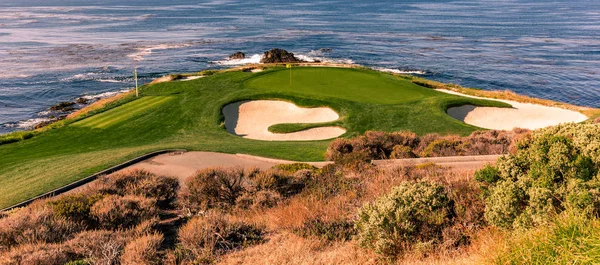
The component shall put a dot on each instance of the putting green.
(350, 84)
(189, 115)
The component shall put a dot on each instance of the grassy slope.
(188, 115)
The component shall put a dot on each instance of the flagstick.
(136, 82)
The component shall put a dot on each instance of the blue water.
(58, 51)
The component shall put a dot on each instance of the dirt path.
(183, 165)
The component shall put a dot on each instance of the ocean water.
(53, 51)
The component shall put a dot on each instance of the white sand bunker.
(521, 115)
(252, 119)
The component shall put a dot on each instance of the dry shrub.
(257, 200)
(383, 145)
(141, 183)
(36, 223)
(213, 187)
(37, 253)
(330, 230)
(145, 227)
(142, 250)
(276, 180)
(205, 237)
(98, 246)
(114, 212)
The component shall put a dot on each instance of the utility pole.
(137, 94)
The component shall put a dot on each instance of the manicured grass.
(188, 115)
(122, 113)
(357, 86)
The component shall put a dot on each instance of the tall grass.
(571, 239)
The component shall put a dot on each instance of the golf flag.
(289, 66)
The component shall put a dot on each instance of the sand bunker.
(252, 119)
(521, 115)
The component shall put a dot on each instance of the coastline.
(101, 104)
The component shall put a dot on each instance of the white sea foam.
(145, 51)
(27, 124)
(398, 71)
(254, 59)
(104, 95)
(109, 81)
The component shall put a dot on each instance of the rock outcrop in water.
(63, 106)
(237, 56)
(279, 56)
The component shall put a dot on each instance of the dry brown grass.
(37, 253)
(286, 248)
(36, 223)
(115, 212)
(142, 250)
(98, 246)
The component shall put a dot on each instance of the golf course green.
(188, 115)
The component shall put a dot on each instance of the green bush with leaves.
(554, 170)
(414, 212)
(75, 207)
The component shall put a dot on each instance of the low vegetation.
(536, 205)
(395, 145)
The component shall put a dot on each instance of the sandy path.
(252, 119)
(183, 165)
(522, 115)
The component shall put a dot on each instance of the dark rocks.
(324, 50)
(237, 56)
(63, 106)
(82, 101)
(279, 56)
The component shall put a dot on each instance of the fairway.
(122, 113)
(189, 115)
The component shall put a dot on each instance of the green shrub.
(487, 174)
(556, 169)
(414, 212)
(75, 207)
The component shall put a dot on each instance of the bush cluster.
(384, 145)
(413, 213)
(225, 188)
(556, 169)
(112, 222)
